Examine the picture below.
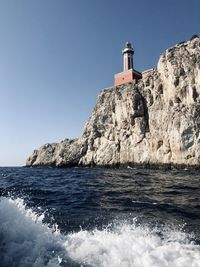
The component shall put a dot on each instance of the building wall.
(127, 76)
(147, 73)
(123, 77)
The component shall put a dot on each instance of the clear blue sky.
(56, 55)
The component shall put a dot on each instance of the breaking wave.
(26, 241)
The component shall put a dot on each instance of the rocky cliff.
(154, 121)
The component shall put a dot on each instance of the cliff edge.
(154, 121)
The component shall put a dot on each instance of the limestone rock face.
(154, 121)
(65, 153)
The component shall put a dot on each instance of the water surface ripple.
(100, 215)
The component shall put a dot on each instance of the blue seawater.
(99, 217)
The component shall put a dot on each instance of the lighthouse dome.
(128, 45)
(128, 48)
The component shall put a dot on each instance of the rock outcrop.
(154, 121)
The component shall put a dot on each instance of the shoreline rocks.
(154, 122)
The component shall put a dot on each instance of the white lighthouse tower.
(128, 53)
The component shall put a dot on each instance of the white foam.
(26, 241)
(131, 246)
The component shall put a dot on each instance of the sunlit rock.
(154, 121)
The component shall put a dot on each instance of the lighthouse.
(128, 53)
(129, 73)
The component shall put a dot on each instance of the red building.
(129, 73)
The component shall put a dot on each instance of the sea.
(98, 217)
